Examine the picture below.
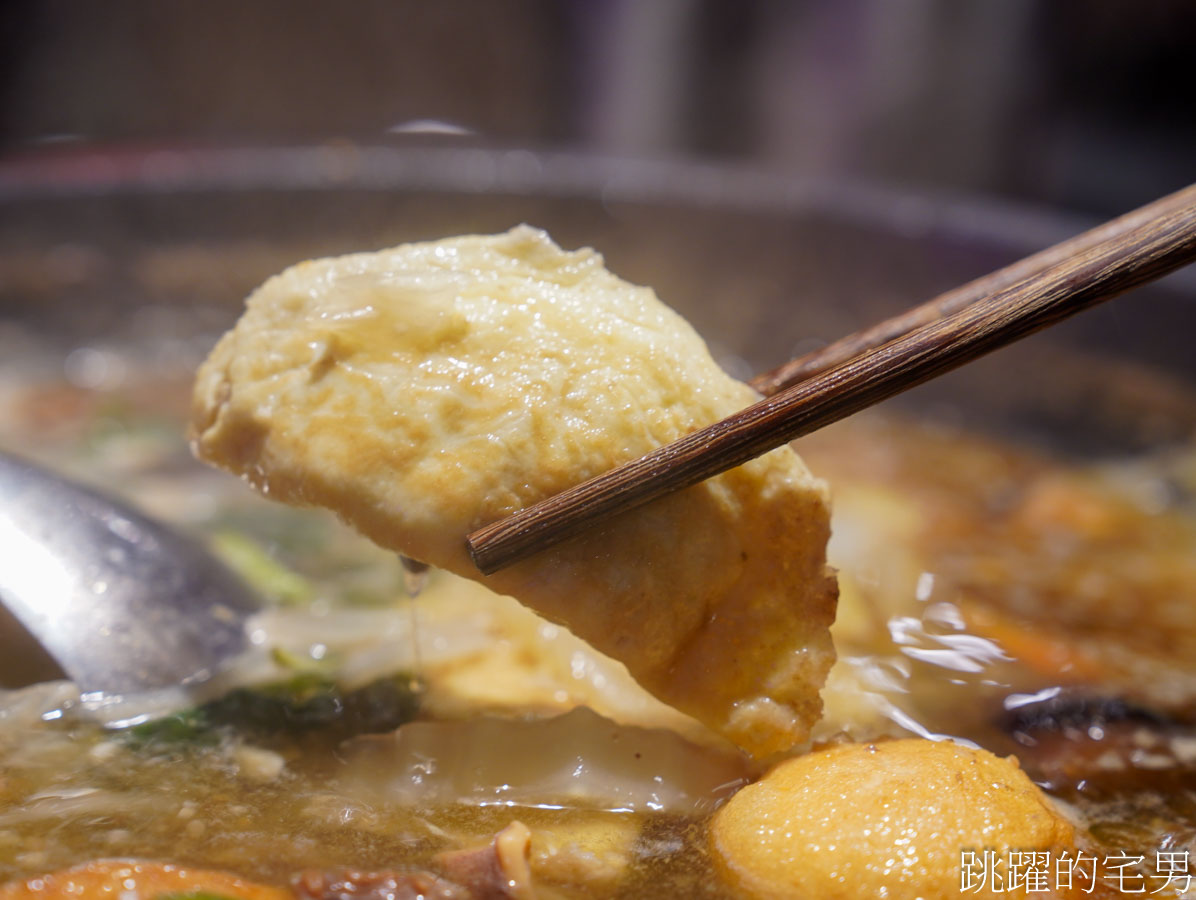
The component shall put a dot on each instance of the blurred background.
(1085, 105)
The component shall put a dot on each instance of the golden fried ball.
(887, 819)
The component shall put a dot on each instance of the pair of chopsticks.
(864, 368)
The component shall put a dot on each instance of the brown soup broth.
(1034, 605)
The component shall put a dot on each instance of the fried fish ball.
(424, 391)
(888, 819)
(130, 878)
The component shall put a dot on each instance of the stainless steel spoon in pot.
(96, 591)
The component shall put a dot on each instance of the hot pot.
(119, 268)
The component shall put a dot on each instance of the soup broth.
(991, 593)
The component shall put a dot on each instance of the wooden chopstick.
(1096, 266)
(801, 368)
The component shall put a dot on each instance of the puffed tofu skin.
(424, 391)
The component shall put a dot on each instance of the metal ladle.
(96, 591)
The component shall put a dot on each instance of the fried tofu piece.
(892, 819)
(424, 391)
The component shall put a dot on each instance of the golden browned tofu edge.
(717, 598)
